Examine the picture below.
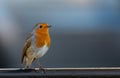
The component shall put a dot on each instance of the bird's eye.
(40, 26)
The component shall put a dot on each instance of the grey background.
(84, 33)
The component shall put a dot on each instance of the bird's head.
(41, 28)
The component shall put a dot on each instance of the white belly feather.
(42, 51)
(39, 52)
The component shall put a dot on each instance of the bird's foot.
(40, 69)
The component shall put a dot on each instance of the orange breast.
(42, 39)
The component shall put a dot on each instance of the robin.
(36, 45)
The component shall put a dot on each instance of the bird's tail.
(28, 62)
(22, 60)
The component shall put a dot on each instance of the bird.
(36, 45)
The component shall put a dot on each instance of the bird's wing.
(26, 46)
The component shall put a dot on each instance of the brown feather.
(26, 46)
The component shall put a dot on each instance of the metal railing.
(98, 72)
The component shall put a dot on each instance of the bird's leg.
(40, 67)
(26, 67)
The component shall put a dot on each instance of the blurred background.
(84, 33)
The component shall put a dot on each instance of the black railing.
(98, 72)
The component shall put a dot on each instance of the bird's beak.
(49, 26)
